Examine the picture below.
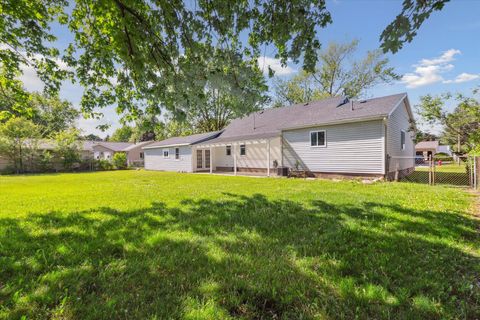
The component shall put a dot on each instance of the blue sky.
(443, 57)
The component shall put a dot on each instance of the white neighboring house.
(175, 154)
(330, 137)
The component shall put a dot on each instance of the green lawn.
(151, 245)
(448, 174)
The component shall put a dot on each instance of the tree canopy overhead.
(146, 55)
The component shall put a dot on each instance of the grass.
(447, 174)
(151, 245)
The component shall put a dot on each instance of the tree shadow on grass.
(241, 257)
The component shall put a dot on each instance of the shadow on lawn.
(247, 257)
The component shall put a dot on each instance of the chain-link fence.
(454, 171)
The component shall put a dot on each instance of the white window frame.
(244, 148)
(404, 144)
(175, 153)
(324, 145)
(168, 153)
(228, 151)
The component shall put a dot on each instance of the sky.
(443, 57)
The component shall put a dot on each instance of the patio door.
(199, 159)
(207, 159)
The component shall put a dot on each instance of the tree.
(300, 88)
(337, 73)
(146, 127)
(425, 136)
(147, 55)
(52, 114)
(406, 25)
(91, 137)
(461, 126)
(122, 134)
(68, 147)
(19, 142)
(24, 38)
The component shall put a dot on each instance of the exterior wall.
(255, 158)
(133, 155)
(400, 159)
(85, 154)
(154, 159)
(107, 153)
(351, 148)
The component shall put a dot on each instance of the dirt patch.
(255, 306)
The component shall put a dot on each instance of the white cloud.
(463, 77)
(446, 57)
(428, 71)
(275, 65)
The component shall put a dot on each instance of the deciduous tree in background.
(122, 134)
(461, 127)
(337, 73)
(68, 147)
(19, 143)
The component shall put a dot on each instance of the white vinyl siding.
(400, 158)
(351, 148)
(256, 156)
(154, 159)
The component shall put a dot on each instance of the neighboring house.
(330, 137)
(106, 150)
(426, 149)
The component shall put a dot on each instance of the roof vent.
(344, 101)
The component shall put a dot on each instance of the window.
(141, 155)
(177, 153)
(318, 138)
(228, 150)
(243, 150)
(166, 153)
(402, 140)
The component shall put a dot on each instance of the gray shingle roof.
(427, 145)
(187, 140)
(115, 146)
(270, 122)
(136, 145)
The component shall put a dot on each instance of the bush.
(120, 160)
(103, 164)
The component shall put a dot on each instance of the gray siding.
(351, 148)
(400, 159)
(154, 159)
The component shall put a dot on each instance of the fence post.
(475, 172)
(430, 173)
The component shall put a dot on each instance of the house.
(175, 154)
(134, 152)
(425, 149)
(330, 137)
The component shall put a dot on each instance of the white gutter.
(167, 146)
